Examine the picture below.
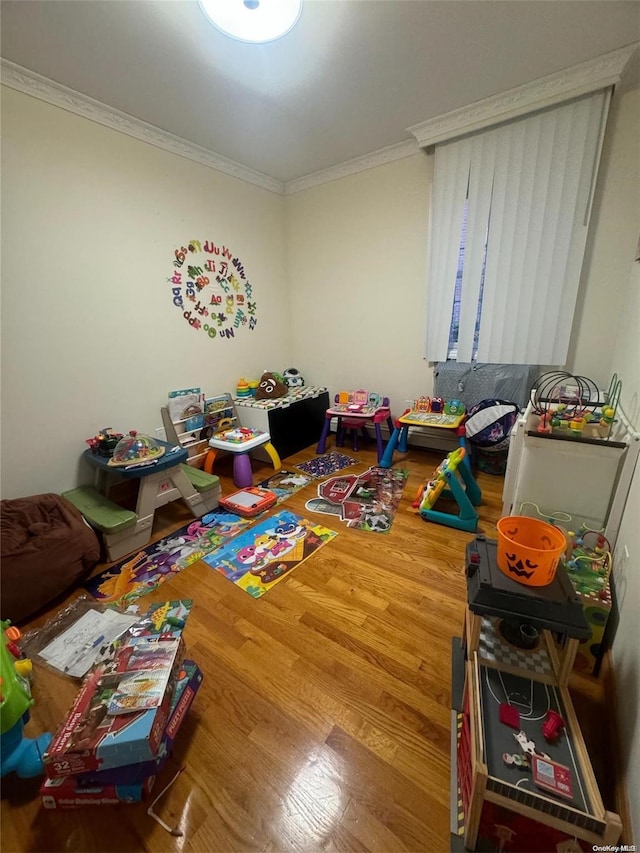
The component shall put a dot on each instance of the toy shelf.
(586, 478)
(196, 441)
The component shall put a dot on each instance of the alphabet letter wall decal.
(233, 290)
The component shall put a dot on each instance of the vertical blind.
(527, 186)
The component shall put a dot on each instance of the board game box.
(122, 708)
(133, 782)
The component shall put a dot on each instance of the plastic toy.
(293, 378)
(249, 502)
(446, 482)
(136, 448)
(17, 753)
(243, 388)
(529, 550)
(104, 443)
(552, 726)
(572, 406)
(589, 560)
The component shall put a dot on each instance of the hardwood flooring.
(323, 720)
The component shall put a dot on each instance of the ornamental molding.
(352, 167)
(26, 81)
(590, 76)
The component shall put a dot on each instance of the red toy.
(249, 502)
(552, 726)
(551, 776)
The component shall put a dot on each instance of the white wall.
(612, 241)
(90, 337)
(608, 341)
(357, 260)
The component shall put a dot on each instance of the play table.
(354, 410)
(417, 418)
(240, 441)
(162, 480)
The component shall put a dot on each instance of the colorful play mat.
(286, 483)
(366, 501)
(261, 557)
(145, 570)
(326, 464)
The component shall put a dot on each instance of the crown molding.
(30, 83)
(598, 73)
(351, 167)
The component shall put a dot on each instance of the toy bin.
(529, 550)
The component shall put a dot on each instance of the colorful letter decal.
(220, 283)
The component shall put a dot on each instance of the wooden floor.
(323, 720)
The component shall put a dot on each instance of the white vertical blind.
(450, 183)
(529, 190)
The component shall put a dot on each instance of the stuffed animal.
(293, 378)
(271, 387)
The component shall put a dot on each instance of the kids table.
(416, 418)
(355, 410)
(239, 442)
(162, 480)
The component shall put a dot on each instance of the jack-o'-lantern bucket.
(529, 550)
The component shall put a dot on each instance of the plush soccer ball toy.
(292, 378)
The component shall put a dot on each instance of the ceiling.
(348, 80)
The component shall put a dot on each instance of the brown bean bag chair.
(46, 547)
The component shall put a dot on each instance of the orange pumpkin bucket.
(529, 550)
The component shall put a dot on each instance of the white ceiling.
(349, 79)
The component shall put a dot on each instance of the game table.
(496, 796)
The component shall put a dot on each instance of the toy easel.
(446, 482)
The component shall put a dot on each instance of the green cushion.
(199, 479)
(99, 511)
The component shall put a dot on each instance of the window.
(510, 212)
(454, 327)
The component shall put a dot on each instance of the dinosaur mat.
(143, 571)
(366, 501)
(261, 557)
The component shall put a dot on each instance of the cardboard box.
(131, 783)
(121, 711)
(186, 688)
(68, 793)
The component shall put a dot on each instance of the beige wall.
(90, 218)
(612, 241)
(625, 355)
(357, 259)
(90, 338)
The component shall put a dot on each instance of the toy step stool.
(452, 480)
